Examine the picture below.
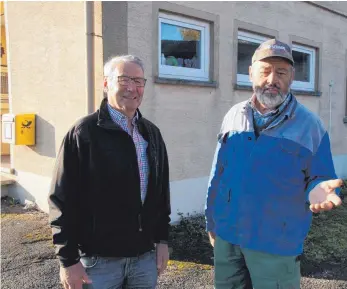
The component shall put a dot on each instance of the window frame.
(243, 79)
(303, 85)
(202, 74)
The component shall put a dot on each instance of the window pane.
(180, 46)
(302, 66)
(245, 51)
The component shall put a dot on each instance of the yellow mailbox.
(19, 129)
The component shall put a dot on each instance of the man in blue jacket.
(272, 168)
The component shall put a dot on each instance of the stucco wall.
(190, 116)
(114, 28)
(47, 68)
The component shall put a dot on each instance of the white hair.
(112, 63)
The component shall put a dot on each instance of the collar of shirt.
(261, 121)
(119, 117)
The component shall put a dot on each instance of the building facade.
(196, 57)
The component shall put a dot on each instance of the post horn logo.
(26, 123)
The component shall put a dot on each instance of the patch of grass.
(17, 217)
(10, 201)
(190, 241)
(41, 234)
(22, 216)
(180, 268)
(179, 265)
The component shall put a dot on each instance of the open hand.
(323, 196)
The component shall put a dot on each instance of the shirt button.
(249, 138)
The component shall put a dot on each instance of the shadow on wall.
(45, 138)
(17, 192)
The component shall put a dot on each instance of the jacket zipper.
(94, 224)
(140, 226)
(116, 128)
(139, 215)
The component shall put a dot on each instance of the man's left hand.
(162, 257)
(323, 196)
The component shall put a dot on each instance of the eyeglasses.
(126, 80)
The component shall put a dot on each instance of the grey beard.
(269, 100)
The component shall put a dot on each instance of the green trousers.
(239, 268)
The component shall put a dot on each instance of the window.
(183, 48)
(247, 44)
(304, 63)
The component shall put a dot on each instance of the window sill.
(243, 87)
(345, 119)
(304, 92)
(294, 91)
(176, 81)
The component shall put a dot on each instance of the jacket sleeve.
(163, 224)
(321, 167)
(213, 183)
(63, 201)
(212, 191)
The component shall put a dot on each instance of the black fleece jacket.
(95, 200)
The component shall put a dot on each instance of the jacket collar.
(105, 120)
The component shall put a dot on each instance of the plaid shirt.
(140, 145)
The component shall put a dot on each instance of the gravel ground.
(27, 258)
(202, 279)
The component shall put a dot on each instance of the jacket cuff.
(68, 262)
(163, 242)
(163, 237)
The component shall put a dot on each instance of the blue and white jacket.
(258, 190)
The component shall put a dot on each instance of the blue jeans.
(122, 273)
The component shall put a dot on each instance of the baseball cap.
(273, 48)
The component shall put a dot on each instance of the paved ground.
(27, 256)
(27, 259)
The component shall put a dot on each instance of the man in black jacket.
(110, 200)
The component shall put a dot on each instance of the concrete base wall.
(31, 187)
(4, 191)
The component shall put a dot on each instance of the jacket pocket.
(290, 162)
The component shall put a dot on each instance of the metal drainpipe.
(331, 83)
(89, 8)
